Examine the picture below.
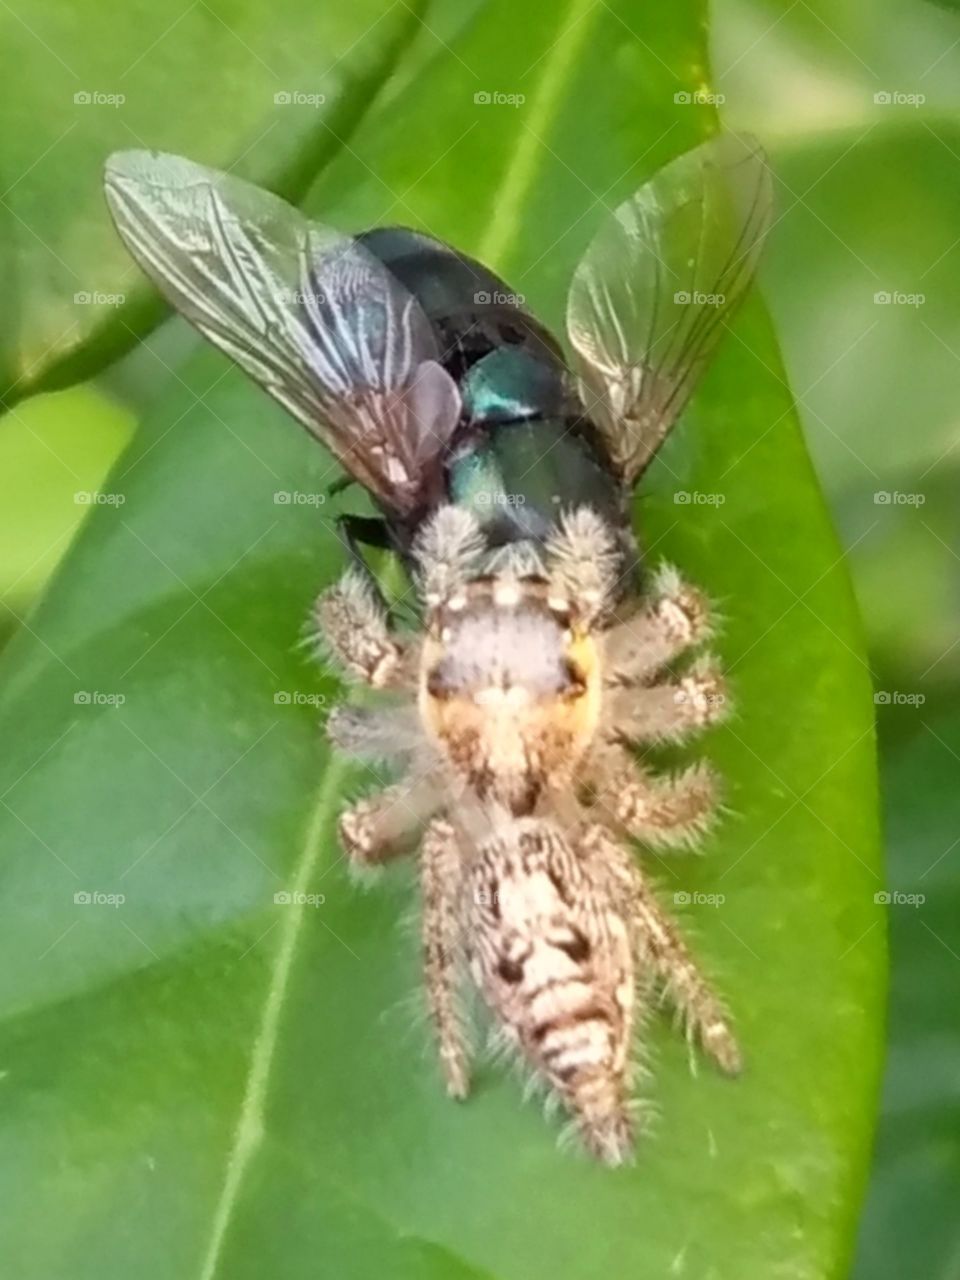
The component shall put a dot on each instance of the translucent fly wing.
(313, 317)
(655, 290)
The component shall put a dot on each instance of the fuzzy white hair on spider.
(523, 700)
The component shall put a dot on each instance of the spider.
(518, 706)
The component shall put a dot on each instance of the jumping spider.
(525, 692)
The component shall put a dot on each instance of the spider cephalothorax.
(510, 688)
(525, 691)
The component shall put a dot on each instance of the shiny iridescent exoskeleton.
(547, 659)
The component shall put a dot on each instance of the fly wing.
(313, 317)
(657, 287)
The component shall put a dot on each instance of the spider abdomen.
(551, 955)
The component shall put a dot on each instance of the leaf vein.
(519, 175)
(248, 1130)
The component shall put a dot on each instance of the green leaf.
(258, 1076)
(871, 335)
(893, 490)
(909, 1225)
(292, 81)
(54, 454)
(875, 380)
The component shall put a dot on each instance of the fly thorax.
(510, 688)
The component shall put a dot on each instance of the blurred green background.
(859, 108)
(859, 105)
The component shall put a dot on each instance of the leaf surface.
(291, 82)
(257, 1076)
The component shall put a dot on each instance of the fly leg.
(370, 531)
